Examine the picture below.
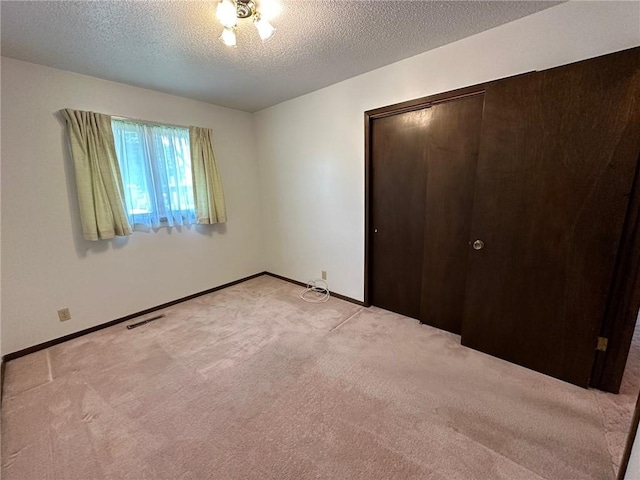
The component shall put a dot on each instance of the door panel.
(557, 159)
(453, 139)
(398, 171)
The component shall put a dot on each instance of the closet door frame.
(623, 301)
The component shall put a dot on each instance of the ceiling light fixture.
(229, 11)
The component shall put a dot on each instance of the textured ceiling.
(173, 46)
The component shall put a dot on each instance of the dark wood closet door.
(398, 171)
(423, 172)
(453, 139)
(555, 170)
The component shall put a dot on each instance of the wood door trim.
(426, 104)
(367, 206)
(429, 100)
(620, 319)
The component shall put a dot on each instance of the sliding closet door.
(398, 179)
(555, 170)
(423, 172)
(453, 139)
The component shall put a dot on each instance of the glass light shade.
(265, 29)
(268, 9)
(228, 37)
(227, 14)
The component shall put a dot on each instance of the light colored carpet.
(252, 383)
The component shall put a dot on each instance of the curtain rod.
(146, 122)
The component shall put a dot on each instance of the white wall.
(311, 149)
(46, 265)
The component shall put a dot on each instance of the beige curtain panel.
(207, 186)
(98, 179)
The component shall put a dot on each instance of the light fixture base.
(228, 13)
(245, 8)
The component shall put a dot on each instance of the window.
(155, 163)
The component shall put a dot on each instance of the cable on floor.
(317, 291)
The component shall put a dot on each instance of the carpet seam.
(240, 362)
(501, 454)
(30, 389)
(49, 365)
(457, 432)
(346, 320)
(197, 375)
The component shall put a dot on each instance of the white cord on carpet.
(317, 291)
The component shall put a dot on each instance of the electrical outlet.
(64, 314)
(324, 274)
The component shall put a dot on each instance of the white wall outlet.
(64, 314)
(324, 274)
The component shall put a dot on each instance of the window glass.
(155, 164)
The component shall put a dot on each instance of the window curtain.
(156, 171)
(207, 185)
(100, 189)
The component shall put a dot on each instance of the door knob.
(375, 230)
(478, 245)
